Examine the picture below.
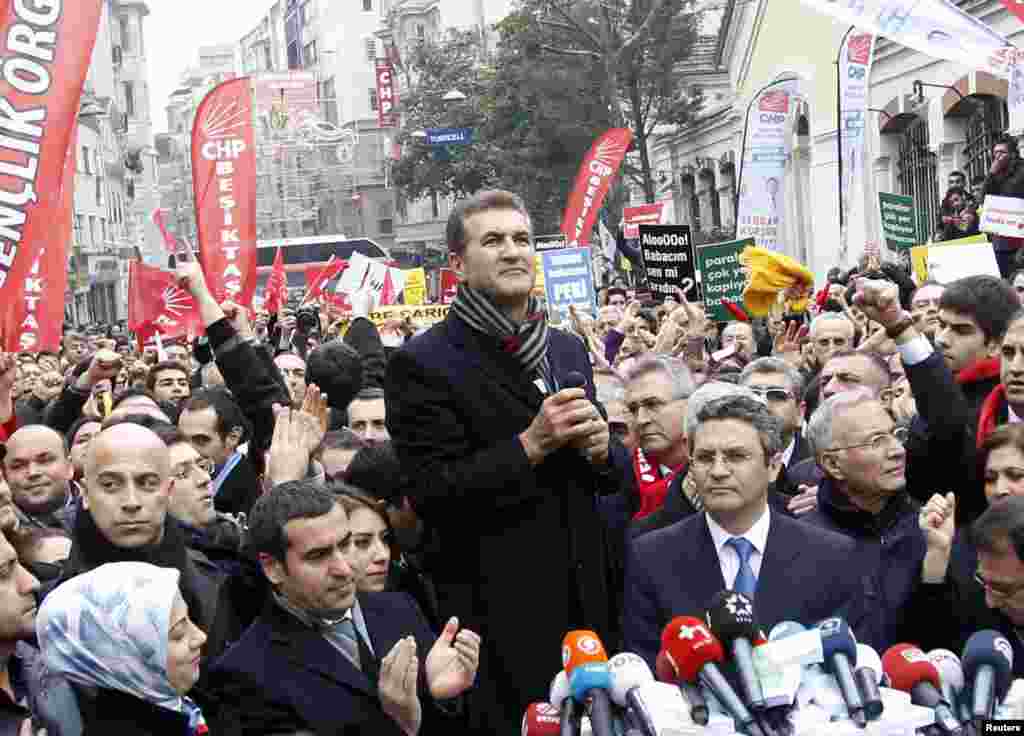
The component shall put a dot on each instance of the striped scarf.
(527, 341)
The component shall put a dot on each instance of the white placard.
(1003, 216)
(352, 277)
(949, 264)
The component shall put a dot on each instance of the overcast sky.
(175, 29)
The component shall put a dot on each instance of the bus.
(302, 253)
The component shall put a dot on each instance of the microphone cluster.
(719, 666)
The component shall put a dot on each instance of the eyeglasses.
(203, 464)
(880, 441)
(998, 592)
(705, 460)
(773, 394)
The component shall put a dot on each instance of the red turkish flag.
(157, 304)
(387, 293)
(316, 280)
(277, 285)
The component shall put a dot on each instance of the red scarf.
(651, 485)
(988, 416)
(979, 370)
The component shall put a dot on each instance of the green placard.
(722, 276)
(899, 221)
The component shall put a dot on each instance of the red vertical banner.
(595, 177)
(277, 285)
(387, 95)
(224, 181)
(46, 48)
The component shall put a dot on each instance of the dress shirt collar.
(757, 535)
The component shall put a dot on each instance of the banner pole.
(839, 125)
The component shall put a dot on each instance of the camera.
(307, 320)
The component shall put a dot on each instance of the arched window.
(986, 123)
(918, 176)
(709, 190)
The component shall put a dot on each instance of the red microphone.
(541, 719)
(910, 670)
(693, 651)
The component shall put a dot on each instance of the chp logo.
(776, 101)
(1003, 647)
(858, 48)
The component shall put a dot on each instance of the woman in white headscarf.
(123, 629)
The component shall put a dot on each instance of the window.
(103, 229)
(421, 31)
(309, 54)
(985, 124)
(99, 191)
(93, 231)
(129, 98)
(918, 175)
(385, 218)
(371, 49)
(79, 229)
(373, 99)
(329, 101)
(87, 160)
(435, 211)
(127, 44)
(367, 5)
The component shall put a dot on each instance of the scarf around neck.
(528, 341)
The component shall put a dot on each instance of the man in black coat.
(506, 461)
(1005, 179)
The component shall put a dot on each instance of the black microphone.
(988, 666)
(730, 616)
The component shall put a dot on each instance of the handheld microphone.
(693, 651)
(988, 666)
(586, 665)
(691, 693)
(868, 677)
(951, 674)
(731, 617)
(629, 672)
(910, 670)
(541, 719)
(569, 717)
(575, 379)
(840, 649)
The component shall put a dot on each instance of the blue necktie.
(746, 582)
(349, 641)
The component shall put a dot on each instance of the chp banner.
(387, 95)
(642, 214)
(936, 28)
(761, 214)
(668, 260)
(568, 280)
(224, 182)
(855, 58)
(46, 50)
(592, 183)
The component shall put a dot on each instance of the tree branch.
(572, 21)
(571, 52)
(642, 33)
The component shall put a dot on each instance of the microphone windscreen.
(689, 645)
(628, 671)
(785, 628)
(992, 648)
(664, 668)
(559, 689)
(541, 719)
(948, 665)
(587, 677)
(906, 665)
(867, 658)
(730, 615)
(580, 647)
(836, 638)
(575, 379)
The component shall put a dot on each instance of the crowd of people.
(270, 531)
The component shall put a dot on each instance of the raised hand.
(453, 661)
(399, 672)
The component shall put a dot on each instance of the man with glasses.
(924, 305)
(792, 570)
(863, 496)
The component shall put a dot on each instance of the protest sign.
(919, 254)
(415, 286)
(668, 260)
(568, 280)
(1003, 216)
(722, 276)
(973, 259)
(899, 221)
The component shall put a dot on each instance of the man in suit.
(792, 570)
(322, 659)
(505, 462)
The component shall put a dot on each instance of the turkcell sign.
(448, 136)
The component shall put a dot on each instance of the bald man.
(39, 472)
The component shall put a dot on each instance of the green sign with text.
(899, 221)
(722, 276)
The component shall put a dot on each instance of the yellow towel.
(769, 274)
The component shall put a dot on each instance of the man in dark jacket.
(481, 418)
(1005, 179)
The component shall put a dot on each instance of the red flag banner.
(387, 95)
(277, 285)
(170, 244)
(156, 304)
(316, 279)
(592, 183)
(449, 285)
(46, 48)
(224, 181)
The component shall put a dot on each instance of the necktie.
(349, 640)
(745, 582)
